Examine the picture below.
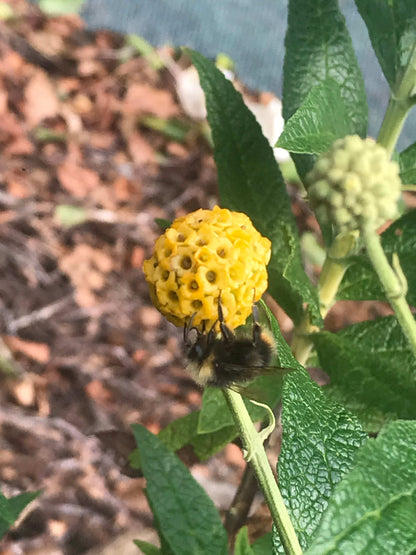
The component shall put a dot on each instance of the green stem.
(393, 282)
(256, 456)
(301, 344)
(399, 105)
(393, 122)
(333, 271)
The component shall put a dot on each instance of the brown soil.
(82, 348)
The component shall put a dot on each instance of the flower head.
(202, 255)
(354, 183)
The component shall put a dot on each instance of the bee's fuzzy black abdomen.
(239, 361)
(228, 359)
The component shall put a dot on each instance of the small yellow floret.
(202, 254)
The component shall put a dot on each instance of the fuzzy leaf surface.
(215, 414)
(373, 509)
(361, 282)
(321, 119)
(186, 517)
(320, 439)
(407, 162)
(372, 369)
(184, 431)
(250, 181)
(391, 25)
(318, 47)
(264, 545)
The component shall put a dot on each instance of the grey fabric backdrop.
(250, 32)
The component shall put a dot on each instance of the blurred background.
(100, 135)
(251, 33)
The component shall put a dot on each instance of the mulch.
(83, 176)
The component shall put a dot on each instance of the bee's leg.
(226, 332)
(256, 325)
(212, 334)
(187, 328)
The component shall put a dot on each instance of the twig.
(39, 315)
(240, 505)
(51, 64)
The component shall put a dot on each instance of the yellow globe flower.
(202, 255)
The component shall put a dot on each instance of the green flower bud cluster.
(353, 184)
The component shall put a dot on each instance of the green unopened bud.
(353, 184)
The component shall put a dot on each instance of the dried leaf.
(96, 390)
(3, 102)
(18, 189)
(140, 149)
(41, 99)
(77, 180)
(144, 99)
(36, 351)
(86, 268)
(124, 189)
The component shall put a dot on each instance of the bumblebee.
(225, 359)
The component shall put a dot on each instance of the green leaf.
(60, 7)
(361, 282)
(264, 545)
(10, 508)
(407, 162)
(242, 545)
(250, 181)
(320, 439)
(318, 47)
(146, 50)
(180, 432)
(186, 516)
(372, 369)
(215, 414)
(321, 119)
(173, 129)
(206, 445)
(373, 509)
(184, 431)
(284, 355)
(6, 11)
(392, 29)
(46, 135)
(164, 543)
(147, 548)
(162, 223)
(69, 215)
